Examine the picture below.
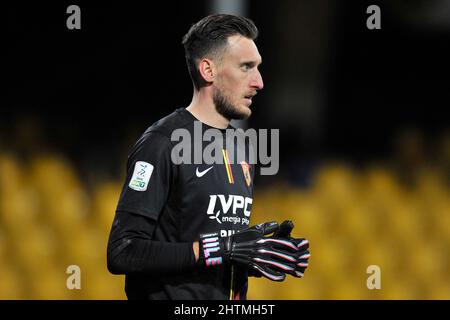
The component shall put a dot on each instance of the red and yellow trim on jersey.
(228, 166)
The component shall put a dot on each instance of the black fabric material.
(132, 250)
(176, 205)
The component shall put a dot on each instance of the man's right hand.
(270, 256)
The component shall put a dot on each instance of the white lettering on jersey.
(226, 204)
(247, 202)
(237, 202)
(226, 233)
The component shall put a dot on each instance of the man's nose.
(257, 81)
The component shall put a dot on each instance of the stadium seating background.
(353, 217)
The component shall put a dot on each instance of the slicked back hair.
(208, 39)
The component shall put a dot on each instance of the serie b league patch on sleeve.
(141, 176)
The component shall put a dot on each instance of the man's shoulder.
(165, 126)
(160, 132)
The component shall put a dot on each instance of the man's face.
(238, 78)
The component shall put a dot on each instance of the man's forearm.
(148, 256)
(131, 248)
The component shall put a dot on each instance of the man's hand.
(269, 256)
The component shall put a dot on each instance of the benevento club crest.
(246, 171)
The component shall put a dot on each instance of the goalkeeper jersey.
(170, 182)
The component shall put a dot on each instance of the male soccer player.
(181, 230)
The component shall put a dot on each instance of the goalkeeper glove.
(284, 232)
(270, 257)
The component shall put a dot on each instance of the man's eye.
(246, 67)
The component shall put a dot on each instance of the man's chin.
(244, 113)
(240, 113)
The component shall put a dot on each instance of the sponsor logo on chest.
(229, 208)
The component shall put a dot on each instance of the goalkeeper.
(182, 231)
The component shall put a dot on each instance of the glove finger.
(269, 227)
(297, 273)
(275, 265)
(302, 243)
(301, 265)
(284, 231)
(285, 251)
(252, 272)
(303, 261)
(280, 256)
(268, 272)
(283, 257)
(300, 269)
(258, 230)
(283, 262)
(304, 255)
(249, 234)
(278, 260)
(281, 244)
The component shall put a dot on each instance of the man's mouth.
(249, 97)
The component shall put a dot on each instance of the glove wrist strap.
(210, 250)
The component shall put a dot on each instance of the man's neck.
(202, 107)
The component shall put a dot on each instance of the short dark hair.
(208, 37)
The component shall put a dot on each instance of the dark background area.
(334, 88)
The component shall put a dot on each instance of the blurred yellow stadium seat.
(344, 288)
(19, 203)
(428, 261)
(47, 284)
(266, 205)
(88, 247)
(358, 223)
(333, 257)
(50, 220)
(263, 289)
(104, 202)
(36, 249)
(11, 176)
(19, 211)
(336, 186)
(434, 196)
(440, 290)
(64, 203)
(405, 225)
(380, 189)
(11, 283)
(402, 288)
(307, 288)
(99, 284)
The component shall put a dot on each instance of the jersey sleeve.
(149, 176)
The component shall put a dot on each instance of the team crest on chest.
(246, 170)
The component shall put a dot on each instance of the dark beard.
(225, 108)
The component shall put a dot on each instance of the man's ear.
(207, 69)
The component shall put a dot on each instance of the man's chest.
(217, 196)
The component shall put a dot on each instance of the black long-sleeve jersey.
(165, 205)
